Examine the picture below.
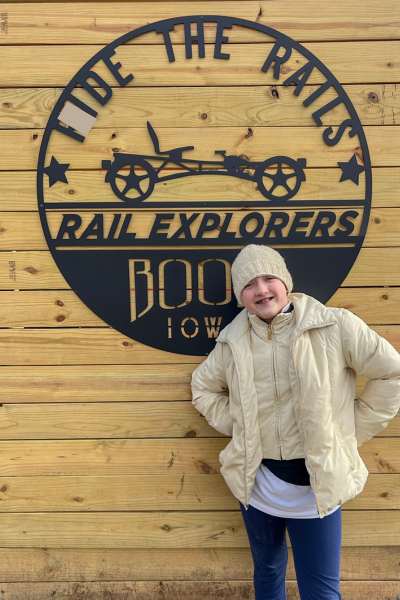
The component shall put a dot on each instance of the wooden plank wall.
(109, 484)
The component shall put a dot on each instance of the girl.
(281, 382)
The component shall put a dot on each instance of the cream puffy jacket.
(329, 347)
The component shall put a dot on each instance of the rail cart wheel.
(280, 177)
(133, 180)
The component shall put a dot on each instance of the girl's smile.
(265, 296)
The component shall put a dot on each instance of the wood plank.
(32, 270)
(102, 383)
(381, 491)
(392, 430)
(100, 346)
(113, 564)
(373, 305)
(169, 530)
(29, 270)
(116, 383)
(94, 383)
(239, 106)
(163, 492)
(381, 455)
(89, 346)
(371, 267)
(58, 64)
(143, 457)
(195, 564)
(103, 22)
(47, 309)
(20, 147)
(25, 231)
(119, 493)
(391, 333)
(108, 420)
(38, 308)
(131, 589)
(111, 457)
(133, 530)
(383, 228)
(18, 192)
(88, 186)
(122, 590)
(103, 420)
(172, 590)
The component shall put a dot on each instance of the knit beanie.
(255, 260)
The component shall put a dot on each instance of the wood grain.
(94, 383)
(371, 267)
(19, 191)
(378, 306)
(102, 383)
(86, 346)
(103, 420)
(211, 106)
(100, 346)
(20, 147)
(377, 563)
(169, 530)
(110, 420)
(170, 590)
(36, 270)
(56, 65)
(145, 493)
(143, 457)
(103, 22)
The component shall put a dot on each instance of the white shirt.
(281, 499)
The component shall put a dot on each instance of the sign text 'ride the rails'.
(145, 215)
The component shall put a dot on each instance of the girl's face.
(265, 297)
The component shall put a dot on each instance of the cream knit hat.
(254, 260)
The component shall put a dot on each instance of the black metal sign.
(157, 267)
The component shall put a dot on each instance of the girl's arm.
(370, 355)
(210, 391)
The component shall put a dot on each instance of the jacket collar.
(282, 322)
(309, 313)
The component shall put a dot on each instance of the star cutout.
(351, 170)
(279, 178)
(133, 181)
(56, 171)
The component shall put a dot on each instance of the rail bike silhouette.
(132, 177)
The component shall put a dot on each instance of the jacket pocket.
(346, 448)
(313, 481)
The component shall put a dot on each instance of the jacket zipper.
(246, 501)
(312, 475)
(278, 437)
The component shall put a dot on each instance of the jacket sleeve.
(210, 391)
(370, 355)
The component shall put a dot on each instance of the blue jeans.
(316, 553)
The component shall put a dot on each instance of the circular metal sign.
(145, 221)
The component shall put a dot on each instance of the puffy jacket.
(330, 346)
